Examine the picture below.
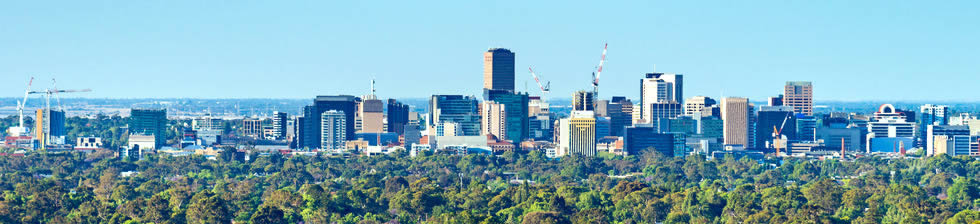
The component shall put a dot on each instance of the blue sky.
(851, 50)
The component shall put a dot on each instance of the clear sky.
(851, 50)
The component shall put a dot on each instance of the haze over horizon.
(860, 51)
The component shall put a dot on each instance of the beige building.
(370, 116)
(698, 104)
(735, 115)
(799, 95)
(494, 118)
(577, 134)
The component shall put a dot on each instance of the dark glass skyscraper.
(149, 122)
(397, 116)
(311, 128)
(498, 69)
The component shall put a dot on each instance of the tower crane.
(47, 109)
(21, 130)
(777, 135)
(598, 73)
(545, 89)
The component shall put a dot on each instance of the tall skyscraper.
(397, 116)
(149, 122)
(735, 114)
(698, 104)
(461, 112)
(311, 135)
(498, 69)
(279, 129)
(494, 119)
(930, 115)
(799, 95)
(333, 129)
(660, 88)
(583, 100)
(517, 113)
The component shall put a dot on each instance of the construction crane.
(21, 130)
(777, 135)
(545, 89)
(47, 109)
(598, 73)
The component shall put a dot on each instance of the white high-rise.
(333, 129)
(494, 118)
(660, 88)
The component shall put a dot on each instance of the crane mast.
(20, 130)
(598, 73)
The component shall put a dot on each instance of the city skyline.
(154, 53)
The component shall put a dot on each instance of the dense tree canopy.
(507, 188)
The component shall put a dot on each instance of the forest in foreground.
(507, 188)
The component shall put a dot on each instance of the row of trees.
(508, 188)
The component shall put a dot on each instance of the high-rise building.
(397, 116)
(279, 123)
(311, 135)
(540, 119)
(698, 104)
(333, 130)
(49, 127)
(619, 112)
(799, 95)
(659, 88)
(462, 112)
(735, 114)
(583, 100)
(576, 134)
(930, 115)
(371, 114)
(889, 130)
(517, 113)
(771, 119)
(494, 119)
(498, 69)
(149, 122)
